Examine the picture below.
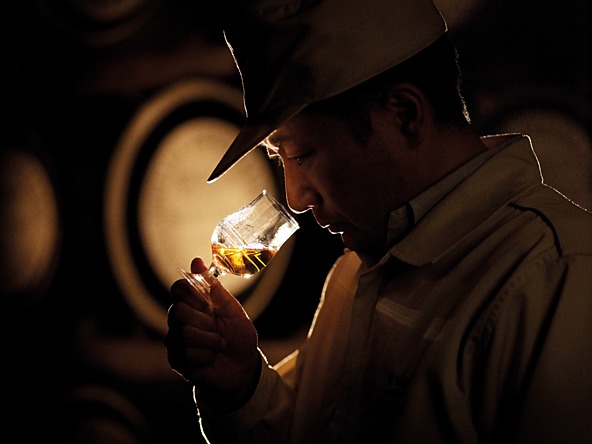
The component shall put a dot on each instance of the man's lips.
(334, 227)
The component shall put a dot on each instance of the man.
(461, 308)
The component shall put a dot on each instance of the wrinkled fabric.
(475, 327)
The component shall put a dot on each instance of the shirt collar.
(405, 217)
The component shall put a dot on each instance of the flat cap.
(291, 53)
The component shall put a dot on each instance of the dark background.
(73, 79)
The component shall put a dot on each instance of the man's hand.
(212, 346)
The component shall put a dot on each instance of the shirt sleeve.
(265, 418)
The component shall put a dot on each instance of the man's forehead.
(291, 131)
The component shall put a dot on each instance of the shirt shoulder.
(570, 223)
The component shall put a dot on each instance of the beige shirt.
(476, 327)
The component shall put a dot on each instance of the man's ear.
(408, 104)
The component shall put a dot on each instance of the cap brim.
(248, 138)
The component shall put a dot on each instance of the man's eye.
(299, 159)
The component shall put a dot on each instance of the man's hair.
(435, 70)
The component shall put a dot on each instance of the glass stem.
(212, 270)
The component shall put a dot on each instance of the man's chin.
(348, 242)
(364, 247)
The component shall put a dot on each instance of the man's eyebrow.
(275, 141)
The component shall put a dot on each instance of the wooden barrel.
(160, 211)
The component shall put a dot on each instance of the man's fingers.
(188, 336)
(189, 361)
(183, 291)
(181, 313)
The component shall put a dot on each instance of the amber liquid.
(241, 261)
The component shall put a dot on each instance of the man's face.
(350, 187)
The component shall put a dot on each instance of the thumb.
(198, 265)
(224, 303)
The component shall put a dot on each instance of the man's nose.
(300, 195)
